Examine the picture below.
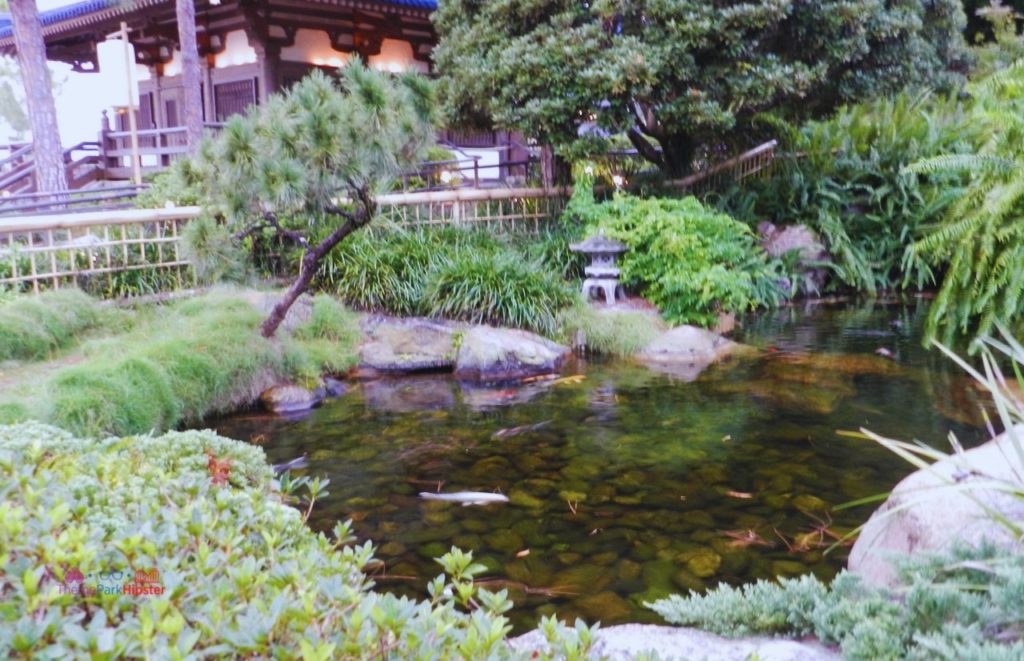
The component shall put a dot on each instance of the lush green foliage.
(678, 75)
(964, 605)
(980, 240)
(212, 253)
(192, 359)
(33, 327)
(239, 572)
(845, 182)
(454, 273)
(688, 260)
(608, 332)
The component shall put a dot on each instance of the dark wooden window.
(234, 97)
(171, 112)
(144, 117)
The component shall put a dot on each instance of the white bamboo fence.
(43, 252)
(515, 209)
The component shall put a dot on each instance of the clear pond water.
(637, 484)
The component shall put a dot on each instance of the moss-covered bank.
(175, 364)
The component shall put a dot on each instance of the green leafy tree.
(306, 167)
(675, 76)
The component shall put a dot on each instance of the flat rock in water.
(503, 354)
(288, 399)
(627, 641)
(685, 351)
(407, 345)
(924, 513)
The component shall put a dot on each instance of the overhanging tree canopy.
(676, 74)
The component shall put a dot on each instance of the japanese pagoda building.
(248, 48)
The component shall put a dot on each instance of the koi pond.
(626, 484)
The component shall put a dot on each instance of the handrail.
(97, 218)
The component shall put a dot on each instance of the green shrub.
(842, 177)
(608, 332)
(503, 290)
(691, 262)
(455, 273)
(32, 327)
(966, 604)
(237, 572)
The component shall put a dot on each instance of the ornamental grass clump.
(33, 327)
(185, 546)
(499, 289)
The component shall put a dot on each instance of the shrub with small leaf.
(687, 259)
(237, 571)
(966, 604)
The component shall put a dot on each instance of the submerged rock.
(288, 399)
(502, 354)
(929, 510)
(685, 351)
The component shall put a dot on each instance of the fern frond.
(961, 163)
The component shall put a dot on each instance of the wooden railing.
(51, 251)
(756, 162)
(18, 169)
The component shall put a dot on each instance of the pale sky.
(80, 100)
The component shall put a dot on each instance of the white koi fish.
(466, 497)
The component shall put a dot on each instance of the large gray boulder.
(685, 351)
(627, 641)
(811, 251)
(503, 354)
(407, 345)
(930, 510)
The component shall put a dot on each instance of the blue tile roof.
(77, 9)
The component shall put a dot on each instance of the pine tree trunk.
(47, 152)
(190, 77)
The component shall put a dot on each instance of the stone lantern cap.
(598, 245)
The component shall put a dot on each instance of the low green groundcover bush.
(32, 327)
(967, 604)
(184, 546)
(688, 260)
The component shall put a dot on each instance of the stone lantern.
(602, 274)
